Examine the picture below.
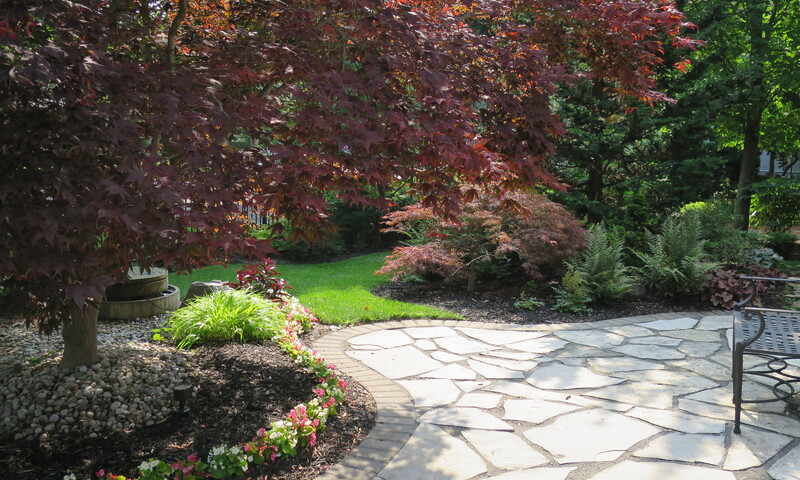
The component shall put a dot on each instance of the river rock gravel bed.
(130, 386)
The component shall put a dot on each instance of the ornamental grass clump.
(226, 315)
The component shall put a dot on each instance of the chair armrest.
(740, 316)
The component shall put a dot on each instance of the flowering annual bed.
(298, 429)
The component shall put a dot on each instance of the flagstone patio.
(641, 398)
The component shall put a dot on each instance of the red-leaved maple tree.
(132, 130)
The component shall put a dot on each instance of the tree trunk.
(748, 170)
(80, 337)
(471, 278)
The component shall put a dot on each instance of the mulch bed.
(240, 388)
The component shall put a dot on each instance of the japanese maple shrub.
(522, 232)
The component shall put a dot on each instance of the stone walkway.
(641, 398)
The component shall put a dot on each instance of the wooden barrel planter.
(140, 284)
(165, 301)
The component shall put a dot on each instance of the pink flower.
(101, 473)
(187, 470)
(192, 457)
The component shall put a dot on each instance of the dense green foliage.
(776, 204)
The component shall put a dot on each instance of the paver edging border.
(397, 417)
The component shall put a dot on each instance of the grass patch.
(339, 293)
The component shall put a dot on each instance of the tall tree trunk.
(80, 337)
(748, 170)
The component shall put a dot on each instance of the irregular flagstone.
(539, 345)
(534, 410)
(517, 389)
(590, 436)
(479, 400)
(715, 322)
(685, 447)
(564, 377)
(642, 394)
(432, 454)
(623, 364)
(660, 471)
(769, 421)
(447, 357)
(471, 385)
(425, 345)
(463, 346)
(512, 355)
(699, 349)
(383, 339)
(504, 450)
(583, 351)
(662, 341)
(668, 378)
(493, 371)
(499, 337)
(752, 448)
(724, 396)
(453, 372)
(652, 352)
(397, 362)
(630, 331)
(682, 422)
(365, 347)
(705, 368)
(673, 324)
(543, 473)
(598, 403)
(430, 332)
(431, 393)
(592, 338)
(704, 409)
(787, 467)
(696, 335)
(464, 417)
(521, 365)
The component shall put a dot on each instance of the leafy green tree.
(749, 65)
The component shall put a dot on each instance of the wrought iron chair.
(773, 335)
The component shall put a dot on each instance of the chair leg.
(738, 374)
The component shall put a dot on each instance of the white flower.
(235, 450)
(70, 476)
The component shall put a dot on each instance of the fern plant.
(572, 297)
(675, 260)
(600, 265)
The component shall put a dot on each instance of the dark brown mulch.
(240, 388)
(494, 303)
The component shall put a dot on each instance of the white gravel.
(130, 386)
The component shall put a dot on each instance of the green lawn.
(337, 292)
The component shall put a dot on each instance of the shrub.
(724, 243)
(781, 242)
(776, 203)
(674, 261)
(572, 297)
(600, 265)
(263, 279)
(522, 232)
(725, 286)
(225, 315)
